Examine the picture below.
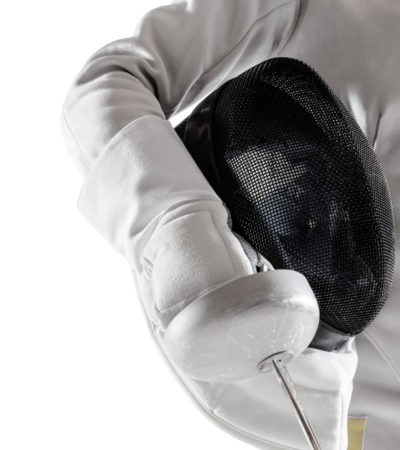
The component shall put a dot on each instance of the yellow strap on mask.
(356, 429)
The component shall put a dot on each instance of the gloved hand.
(192, 251)
(256, 404)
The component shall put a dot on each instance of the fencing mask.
(303, 187)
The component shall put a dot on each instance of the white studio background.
(79, 369)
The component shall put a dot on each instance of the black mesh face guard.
(303, 186)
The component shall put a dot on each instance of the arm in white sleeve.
(142, 191)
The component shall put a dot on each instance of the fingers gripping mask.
(303, 186)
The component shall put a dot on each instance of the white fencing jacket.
(146, 196)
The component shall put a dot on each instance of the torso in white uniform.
(179, 54)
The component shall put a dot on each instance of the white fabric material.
(166, 226)
(151, 202)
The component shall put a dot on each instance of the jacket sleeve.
(141, 189)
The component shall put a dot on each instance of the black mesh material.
(303, 186)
